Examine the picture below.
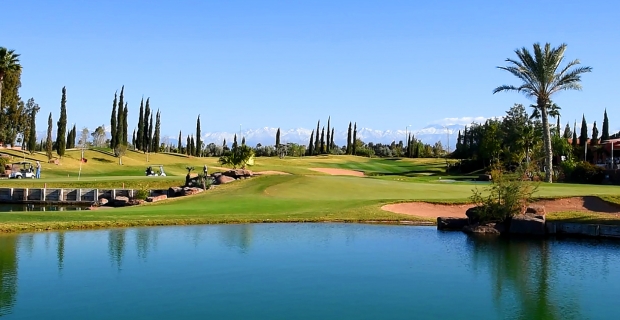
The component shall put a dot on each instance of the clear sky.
(384, 64)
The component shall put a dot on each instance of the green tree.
(328, 143)
(322, 149)
(583, 138)
(238, 157)
(349, 139)
(119, 120)
(48, 142)
(234, 145)
(331, 142)
(278, 139)
(542, 77)
(140, 134)
(133, 139)
(32, 134)
(311, 144)
(11, 107)
(61, 140)
(354, 145)
(192, 144)
(594, 134)
(146, 142)
(71, 138)
(156, 135)
(574, 142)
(179, 144)
(188, 146)
(317, 149)
(125, 125)
(149, 134)
(9, 62)
(113, 122)
(198, 135)
(605, 134)
(567, 132)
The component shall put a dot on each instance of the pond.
(303, 271)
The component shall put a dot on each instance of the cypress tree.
(125, 133)
(594, 134)
(558, 127)
(349, 140)
(156, 136)
(331, 142)
(224, 146)
(188, 146)
(198, 135)
(354, 142)
(146, 142)
(48, 142)
(71, 138)
(278, 139)
(192, 146)
(140, 136)
(574, 143)
(310, 145)
(113, 123)
(119, 118)
(605, 134)
(316, 139)
(179, 145)
(150, 135)
(32, 138)
(234, 145)
(243, 141)
(133, 139)
(583, 138)
(61, 136)
(328, 136)
(567, 132)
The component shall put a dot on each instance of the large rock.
(473, 214)
(451, 223)
(103, 201)
(485, 177)
(224, 179)
(156, 198)
(528, 223)
(188, 191)
(536, 211)
(135, 202)
(121, 201)
(493, 229)
(175, 192)
(238, 173)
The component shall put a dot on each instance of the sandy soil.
(269, 172)
(429, 210)
(339, 172)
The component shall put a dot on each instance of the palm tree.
(542, 77)
(9, 62)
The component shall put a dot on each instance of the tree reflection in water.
(239, 236)
(522, 274)
(8, 273)
(116, 246)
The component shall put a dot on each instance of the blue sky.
(384, 64)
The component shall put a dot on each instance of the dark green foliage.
(349, 139)
(71, 138)
(278, 138)
(605, 134)
(49, 142)
(113, 122)
(328, 143)
(234, 145)
(198, 135)
(150, 135)
(574, 142)
(311, 144)
(124, 133)
(243, 141)
(140, 136)
(61, 135)
(317, 149)
(354, 141)
(188, 146)
(583, 138)
(156, 135)
(584, 172)
(594, 134)
(192, 145)
(179, 144)
(141, 194)
(119, 121)
(331, 142)
(133, 139)
(322, 149)
(567, 132)
(146, 142)
(32, 134)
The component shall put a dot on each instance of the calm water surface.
(303, 271)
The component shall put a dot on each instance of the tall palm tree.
(9, 62)
(542, 77)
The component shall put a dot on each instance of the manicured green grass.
(305, 195)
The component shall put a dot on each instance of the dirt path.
(430, 210)
(339, 172)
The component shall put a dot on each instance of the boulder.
(156, 198)
(136, 202)
(216, 174)
(188, 191)
(485, 177)
(451, 223)
(536, 211)
(528, 223)
(473, 214)
(238, 173)
(103, 201)
(224, 179)
(121, 201)
(484, 229)
(175, 192)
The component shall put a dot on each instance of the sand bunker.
(269, 172)
(430, 210)
(339, 172)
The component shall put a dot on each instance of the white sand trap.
(339, 172)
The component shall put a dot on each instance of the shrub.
(507, 196)
(584, 172)
(141, 194)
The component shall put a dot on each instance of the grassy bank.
(305, 195)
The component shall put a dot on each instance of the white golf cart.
(151, 173)
(21, 170)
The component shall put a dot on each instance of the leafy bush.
(141, 194)
(584, 172)
(3, 162)
(507, 196)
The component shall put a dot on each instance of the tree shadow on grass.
(103, 160)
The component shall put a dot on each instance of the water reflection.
(239, 236)
(8, 273)
(520, 271)
(146, 241)
(116, 246)
(60, 250)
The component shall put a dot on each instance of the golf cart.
(151, 173)
(21, 170)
